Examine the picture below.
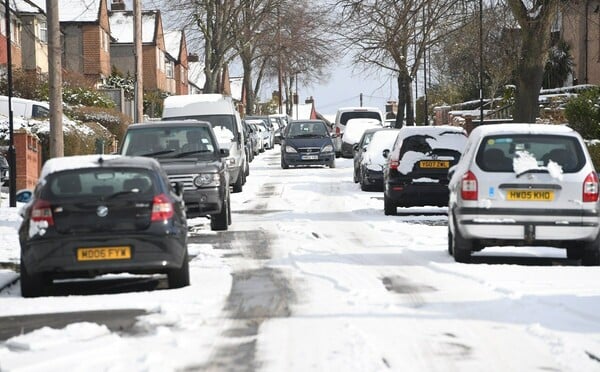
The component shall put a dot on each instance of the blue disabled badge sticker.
(491, 192)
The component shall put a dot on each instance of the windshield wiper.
(124, 192)
(533, 170)
(191, 152)
(159, 153)
(308, 135)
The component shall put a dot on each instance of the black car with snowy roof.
(92, 215)
(416, 172)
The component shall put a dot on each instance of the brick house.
(34, 35)
(153, 47)
(15, 38)
(86, 38)
(579, 26)
(177, 62)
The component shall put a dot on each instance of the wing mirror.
(224, 153)
(386, 153)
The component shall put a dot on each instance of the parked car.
(221, 113)
(307, 142)
(269, 129)
(256, 134)
(25, 108)
(346, 113)
(251, 139)
(99, 214)
(524, 184)
(370, 171)
(282, 121)
(416, 171)
(360, 148)
(189, 152)
(265, 133)
(353, 132)
(4, 170)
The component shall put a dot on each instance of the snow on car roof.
(85, 161)
(492, 129)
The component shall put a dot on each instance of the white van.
(219, 110)
(346, 113)
(25, 108)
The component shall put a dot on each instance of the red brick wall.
(28, 159)
(91, 49)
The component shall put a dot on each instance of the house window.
(160, 60)
(3, 25)
(15, 33)
(169, 69)
(43, 32)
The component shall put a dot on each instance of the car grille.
(309, 150)
(186, 179)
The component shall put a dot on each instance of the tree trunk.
(250, 101)
(404, 100)
(530, 75)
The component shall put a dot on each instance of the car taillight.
(394, 164)
(590, 188)
(338, 131)
(468, 190)
(162, 208)
(42, 211)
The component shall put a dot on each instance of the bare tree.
(535, 18)
(394, 35)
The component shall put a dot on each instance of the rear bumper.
(527, 224)
(418, 194)
(150, 253)
(372, 177)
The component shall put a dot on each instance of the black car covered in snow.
(307, 142)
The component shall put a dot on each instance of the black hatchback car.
(307, 142)
(98, 214)
(416, 172)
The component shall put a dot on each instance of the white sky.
(335, 248)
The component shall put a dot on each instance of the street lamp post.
(12, 157)
(480, 62)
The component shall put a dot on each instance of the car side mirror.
(355, 147)
(224, 153)
(386, 153)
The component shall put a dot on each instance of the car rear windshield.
(344, 117)
(220, 123)
(496, 153)
(169, 142)
(99, 183)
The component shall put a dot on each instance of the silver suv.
(524, 184)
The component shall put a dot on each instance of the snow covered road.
(313, 277)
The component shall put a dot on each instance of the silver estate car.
(524, 185)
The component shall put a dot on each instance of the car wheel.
(337, 154)
(355, 176)
(239, 183)
(332, 163)
(284, 165)
(449, 241)
(247, 171)
(180, 277)
(461, 247)
(591, 253)
(32, 285)
(220, 221)
(575, 252)
(389, 207)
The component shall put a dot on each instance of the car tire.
(337, 154)
(575, 252)
(178, 278)
(591, 253)
(389, 207)
(220, 221)
(32, 285)
(461, 247)
(246, 171)
(355, 176)
(239, 183)
(284, 165)
(332, 163)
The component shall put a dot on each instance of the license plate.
(310, 157)
(104, 253)
(530, 195)
(439, 164)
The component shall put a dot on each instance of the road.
(312, 276)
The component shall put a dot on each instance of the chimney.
(117, 5)
(309, 100)
(193, 57)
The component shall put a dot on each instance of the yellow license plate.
(434, 164)
(530, 195)
(104, 253)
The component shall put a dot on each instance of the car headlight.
(231, 162)
(207, 179)
(290, 150)
(327, 148)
